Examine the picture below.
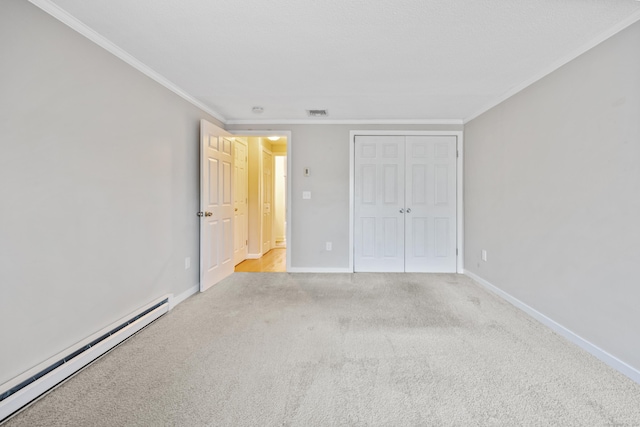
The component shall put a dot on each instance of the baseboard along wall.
(596, 351)
(173, 301)
(318, 270)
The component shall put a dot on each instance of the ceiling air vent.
(317, 113)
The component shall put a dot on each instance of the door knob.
(208, 214)
(401, 210)
(408, 210)
(200, 214)
(236, 209)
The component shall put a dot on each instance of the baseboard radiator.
(57, 370)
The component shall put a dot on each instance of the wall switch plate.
(187, 263)
(306, 195)
(484, 255)
(329, 246)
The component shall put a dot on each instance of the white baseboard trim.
(318, 270)
(254, 256)
(596, 351)
(173, 301)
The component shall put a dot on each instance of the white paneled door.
(405, 204)
(216, 205)
(240, 184)
(379, 203)
(267, 200)
(430, 204)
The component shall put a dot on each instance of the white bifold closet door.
(405, 204)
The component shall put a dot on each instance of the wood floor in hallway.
(274, 261)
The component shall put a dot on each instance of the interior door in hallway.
(216, 205)
(241, 223)
(379, 203)
(267, 201)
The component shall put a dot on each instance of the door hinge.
(457, 153)
(456, 251)
(246, 243)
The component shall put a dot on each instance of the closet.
(405, 204)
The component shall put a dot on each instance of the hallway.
(274, 261)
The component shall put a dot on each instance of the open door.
(216, 204)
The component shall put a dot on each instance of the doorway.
(266, 190)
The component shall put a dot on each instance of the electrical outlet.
(328, 246)
(187, 263)
(306, 195)
(484, 255)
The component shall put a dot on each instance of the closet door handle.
(408, 210)
(401, 210)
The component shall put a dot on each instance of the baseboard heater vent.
(21, 394)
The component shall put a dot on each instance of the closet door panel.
(379, 199)
(430, 230)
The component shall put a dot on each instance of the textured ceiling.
(360, 59)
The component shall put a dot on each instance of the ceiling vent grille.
(317, 113)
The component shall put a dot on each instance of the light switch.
(306, 194)
(307, 172)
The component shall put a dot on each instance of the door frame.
(459, 184)
(286, 134)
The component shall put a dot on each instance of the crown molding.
(632, 19)
(67, 19)
(346, 122)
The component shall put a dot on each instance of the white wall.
(552, 192)
(98, 188)
(325, 150)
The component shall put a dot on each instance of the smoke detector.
(317, 113)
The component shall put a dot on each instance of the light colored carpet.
(342, 349)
